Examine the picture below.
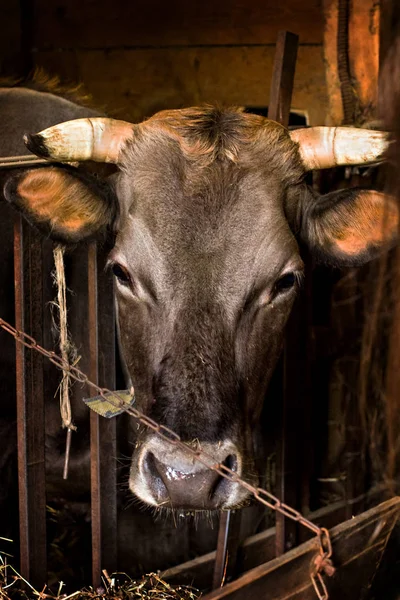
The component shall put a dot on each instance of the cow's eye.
(284, 283)
(121, 274)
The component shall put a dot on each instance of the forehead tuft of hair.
(207, 134)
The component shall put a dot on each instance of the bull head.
(207, 208)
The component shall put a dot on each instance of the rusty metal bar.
(107, 427)
(23, 161)
(94, 418)
(227, 547)
(30, 405)
(102, 431)
(222, 549)
(283, 77)
(279, 110)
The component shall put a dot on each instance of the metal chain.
(322, 561)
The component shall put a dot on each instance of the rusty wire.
(26, 160)
(322, 562)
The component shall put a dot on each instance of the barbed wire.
(322, 562)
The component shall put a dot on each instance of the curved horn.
(323, 147)
(97, 139)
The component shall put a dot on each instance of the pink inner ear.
(374, 221)
(67, 204)
(40, 192)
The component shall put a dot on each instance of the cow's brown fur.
(206, 134)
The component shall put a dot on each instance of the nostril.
(220, 489)
(150, 465)
(153, 476)
(231, 462)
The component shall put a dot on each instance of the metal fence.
(322, 561)
(30, 262)
(29, 267)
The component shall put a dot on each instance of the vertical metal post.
(94, 418)
(227, 547)
(279, 110)
(102, 432)
(283, 77)
(30, 405)
(107, 427)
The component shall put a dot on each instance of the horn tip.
(36, 144)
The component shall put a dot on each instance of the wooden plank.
(357, 545)
(335, 109)
(363, 50)
(364, 56)
(387, 27)
(89, 24)
(11, 60)
(30, 404)
(135, 84)
(343, 399)
(260, 548)
(27, 35)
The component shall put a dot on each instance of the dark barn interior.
(323, 437)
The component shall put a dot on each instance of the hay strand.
(67, 350)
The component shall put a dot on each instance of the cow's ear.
(66, 204)
(349, 227)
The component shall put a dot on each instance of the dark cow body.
(19, 108)
(207, 211)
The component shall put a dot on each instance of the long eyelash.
(299, 277)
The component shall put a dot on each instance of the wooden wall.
(10, 38)
(363, 59)
(136, 57)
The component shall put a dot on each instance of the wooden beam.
(260, 548)
(357, 544)
(363, 58)
(151, 23)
